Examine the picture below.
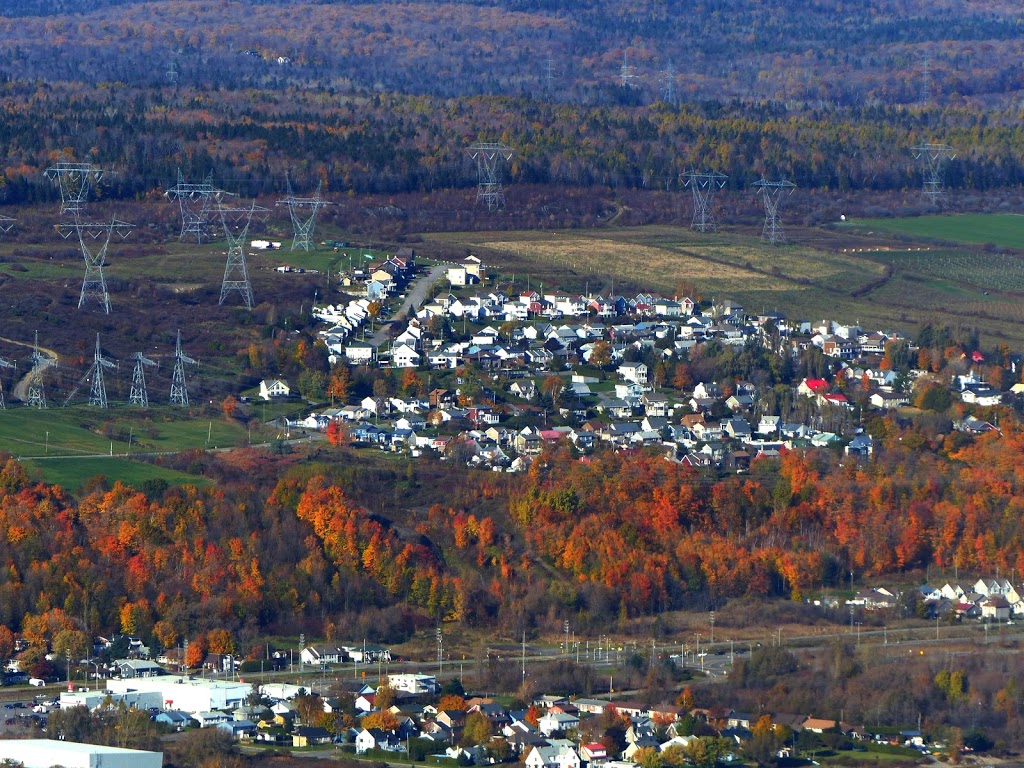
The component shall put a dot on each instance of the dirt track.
(20, 391)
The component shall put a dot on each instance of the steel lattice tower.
(489, 157)
(194, 202)
(75, 180)
(703, 187)
(771, 193)
(40, 362)
(139, 394)
(179, 389)
(668, 85)
(97, 386)
(236, 223)
(5, 364)
(933, 159)
(303, 211)
(627, 72)
(94, 284)
(7, 224)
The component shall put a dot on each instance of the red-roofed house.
(837, 400)
(593, 753)
(812, 387)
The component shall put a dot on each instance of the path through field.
(20, 391)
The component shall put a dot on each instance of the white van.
(36, 682)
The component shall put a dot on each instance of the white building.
(271, 388)
(186, 694)
(415, 684)
(44, 753)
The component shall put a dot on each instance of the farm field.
(823, 274)
(1005, 230)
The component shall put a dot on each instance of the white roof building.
(44, 753)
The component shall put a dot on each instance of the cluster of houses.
(526, 338)
(986, 599)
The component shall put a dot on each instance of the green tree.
(477, 729)
(312, 384)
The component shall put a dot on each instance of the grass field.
(838, 275)
(1005, 230)
(71, 473)
(83, 431)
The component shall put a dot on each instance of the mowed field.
(845, 275)
(1005, 230)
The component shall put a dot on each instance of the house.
(404, 356)
(360, 353)
(594, 752)
(995, 607)
(886, 400)
(318, 655)
(129, 668)
(552, 757)
(271, 388)
(174, 718)
(812, 387)
(635, 372)
(208, 719)
(370, 738)
(308, 735)
(861, 445)
(239, 729)
(557, 721)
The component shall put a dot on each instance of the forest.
(324, 538)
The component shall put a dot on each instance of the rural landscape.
(568, 385)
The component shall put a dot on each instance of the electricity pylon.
(236, 223)
(933, 158)
(194, 202)
(7, 224)
(40, 362)
(139, 395)
(771, 193)
(97, 386)
(303, 211)
(179, 390)
(75, 180)
(94, 284)
(703, 186)
(489, 157)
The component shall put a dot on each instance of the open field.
(838, 275)
(83, 431)
(1005, 230)
(71, 473)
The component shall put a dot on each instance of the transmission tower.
(771, 193)
(5, 364)
(94, 285)
(40, 362)
(139, 395)
(668, 85)
(303, 211)
(703, 187)
(236, 223)
(195, 202)
(172, 73)
(97, 388)
(627, 72)
(179, 390)
(549, 74)
(933, 159)
(75, 180)
(7, 224)
(490, 157)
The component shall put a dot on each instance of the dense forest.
(388, 103)
(337, 536)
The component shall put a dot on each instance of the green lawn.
(1003, 229)
(84, 431)
(71, 473)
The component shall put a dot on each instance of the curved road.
(20, 391)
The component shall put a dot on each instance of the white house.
(635, 372)
(404, 356)
(552, 757)
(557, 721)
(271, 388)
(360, 353)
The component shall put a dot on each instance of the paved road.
(413, 297)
